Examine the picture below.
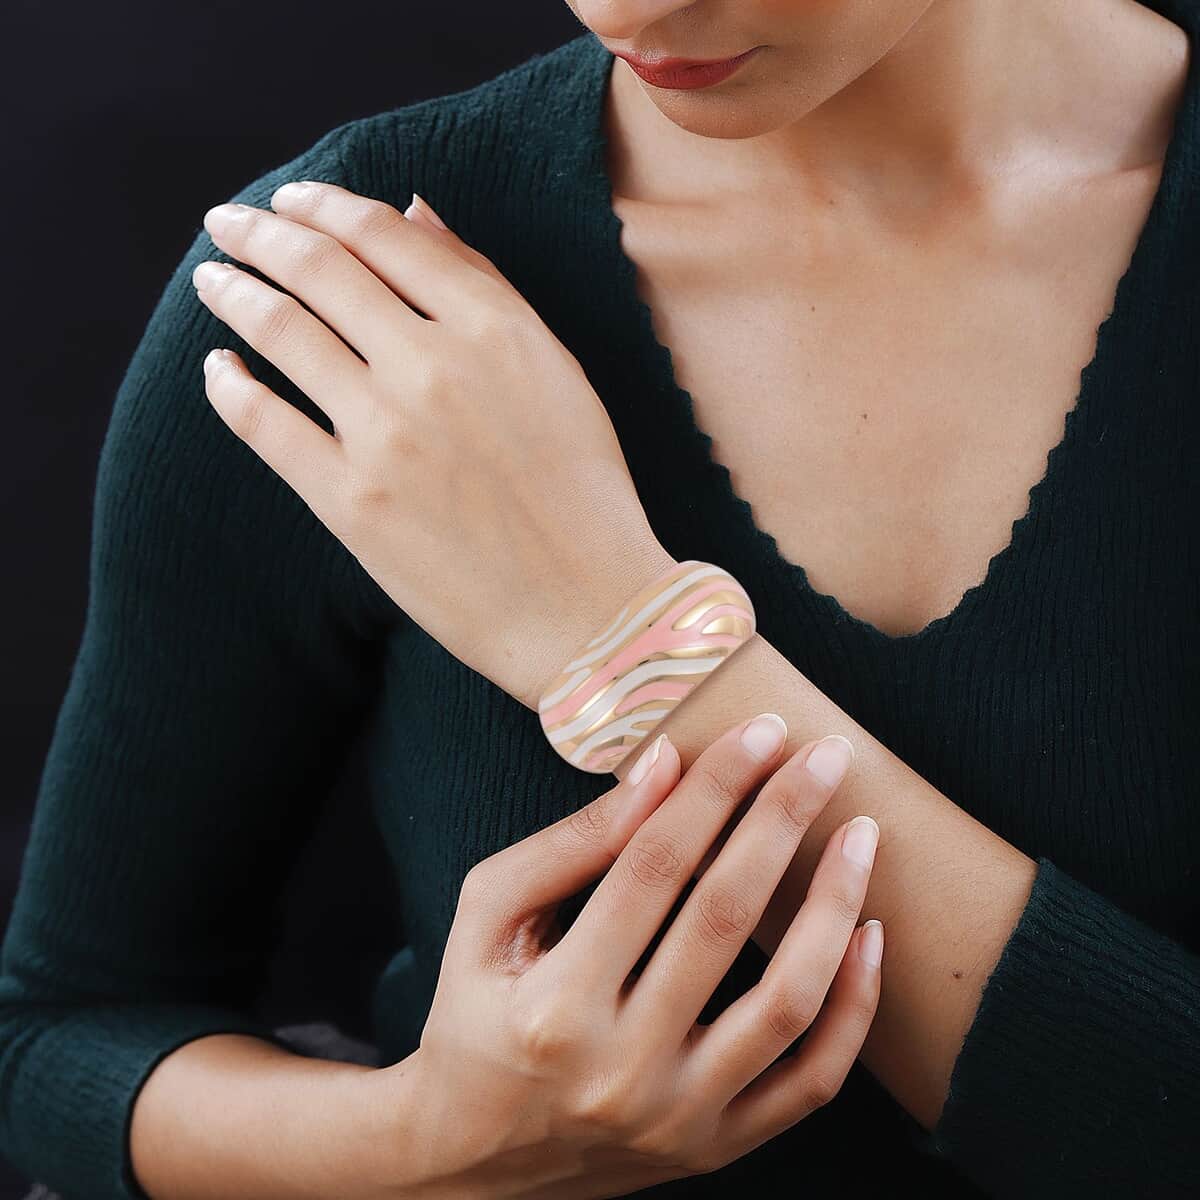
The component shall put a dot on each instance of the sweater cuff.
(1081, 1069)
(82, 1075)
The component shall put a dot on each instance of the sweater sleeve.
(1080, 1074)
(227, 657)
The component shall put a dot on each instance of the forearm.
(947, 889)
(231, 1115)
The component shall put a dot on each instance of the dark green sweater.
(233, 649)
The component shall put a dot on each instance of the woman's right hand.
(548, 1067)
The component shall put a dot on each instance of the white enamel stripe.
(659, 602)
(616, 729)
(548, 702)
(612, 625)
(627, 683)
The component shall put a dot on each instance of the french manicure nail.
(829, 758)
(764, 736)
(859, 841)
(648, 758)
(420, 204)
(871, 946)
(293, 190)
(208, 272)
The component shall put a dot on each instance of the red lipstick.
(686, 73)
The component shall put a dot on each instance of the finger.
(317, 269)
(797, 1085)
(710, 855)
(761, 1023)
(510, 888)
(422, 268)
(420, 212)
(294, 447)
(631, 902)
(306, 350)
(728, 902)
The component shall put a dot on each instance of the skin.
(893, 174)
(586, 1078)
(914, 148)
(883, 126)
(567, 1111)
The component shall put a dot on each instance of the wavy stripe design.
(628, 678)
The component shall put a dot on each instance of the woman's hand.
(549, 1067)
(473, 471)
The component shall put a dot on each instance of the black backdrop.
(124, 122)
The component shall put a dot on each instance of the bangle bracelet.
(667, 639)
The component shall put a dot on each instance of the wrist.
(585, 602)
(390, 1108)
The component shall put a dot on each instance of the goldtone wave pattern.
(665, 641)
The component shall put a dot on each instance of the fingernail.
(829, 758)
(648, 758)
(860, 840)
(218, 220)
(764, 736)
(294, 190)
(208, 272)
(871, 946)
(423, 208)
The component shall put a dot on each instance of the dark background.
(126, 121)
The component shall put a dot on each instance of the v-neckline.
(1156, 231)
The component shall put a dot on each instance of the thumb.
(543, 870)
(420, 211)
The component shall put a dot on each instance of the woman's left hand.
(473, 471)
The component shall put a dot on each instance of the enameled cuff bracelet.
(667, 639)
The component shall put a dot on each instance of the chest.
(1058, 707)
(885, 399)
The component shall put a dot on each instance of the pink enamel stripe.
(660, 689)
(626, 680)
(659, 639)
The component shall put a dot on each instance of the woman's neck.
(975, 93)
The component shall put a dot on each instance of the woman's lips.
(679, 73)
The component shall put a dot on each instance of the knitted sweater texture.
(233, 649)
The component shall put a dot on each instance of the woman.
(981, 212)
